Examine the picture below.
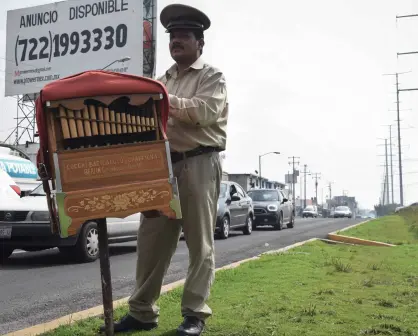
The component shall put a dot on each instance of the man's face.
(183, 45)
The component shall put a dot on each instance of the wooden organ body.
(104, 149)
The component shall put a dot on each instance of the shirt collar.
(197, 65)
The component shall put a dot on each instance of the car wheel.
(279, 224)
(87, 247)
(5, 252)
(291, 225)
(225, 226)
(248, 229)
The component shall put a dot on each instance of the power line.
(397, 95)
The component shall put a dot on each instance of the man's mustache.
(177, 46)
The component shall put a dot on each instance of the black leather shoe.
(128, 323)
(191, 326)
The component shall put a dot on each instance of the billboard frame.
(25, 112)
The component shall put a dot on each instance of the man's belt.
(177, 156)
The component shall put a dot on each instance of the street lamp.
(259, 163)
(124, 59)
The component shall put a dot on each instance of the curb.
(357, 241)
(334, 236)
(350, 227)
(98, 310)
(335, 242)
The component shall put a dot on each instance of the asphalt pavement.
(37, 287)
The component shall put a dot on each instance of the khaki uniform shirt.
(198, 107)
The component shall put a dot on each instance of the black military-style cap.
(177, 16)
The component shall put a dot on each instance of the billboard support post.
(150, 33)
(105, 277)
(25, 120)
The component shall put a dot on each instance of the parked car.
(271, 207)
(342, 212)
(235, 210)
(310, 211)
(25, 224)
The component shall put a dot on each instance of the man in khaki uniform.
(196, 131)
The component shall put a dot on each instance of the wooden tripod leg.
(106, 278)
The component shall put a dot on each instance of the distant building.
(252, 181)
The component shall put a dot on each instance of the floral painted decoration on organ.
(118, 202)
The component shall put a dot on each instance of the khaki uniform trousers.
(198, 180)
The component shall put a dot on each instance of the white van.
(21, 170)
(9, 190)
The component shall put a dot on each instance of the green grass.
(313, 290)
(394, 229)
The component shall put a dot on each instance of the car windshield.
(309, 208)
(264, 195)
(342, 208)
(38, 191)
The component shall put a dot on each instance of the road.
(38, 287)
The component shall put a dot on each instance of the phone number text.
(60, 45)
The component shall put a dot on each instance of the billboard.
(49, 42)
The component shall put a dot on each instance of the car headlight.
(41, 216)
(272, 207)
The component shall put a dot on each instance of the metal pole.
(387, 170)
(304, 200)
(399, 141)
(294, 181)
(259, 168)
(106, 278)
(391, 164)
(294, 177)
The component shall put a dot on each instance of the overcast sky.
(304, 78)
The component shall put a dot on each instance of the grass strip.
(313, 290)
(396, 229)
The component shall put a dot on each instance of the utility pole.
(398, 120)
(391, 163)
(386, 170)
(397, 109)
(293, 162)
(330, 194)
(399, 141)
(316, 176)
(304, 174)
(301, 191)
